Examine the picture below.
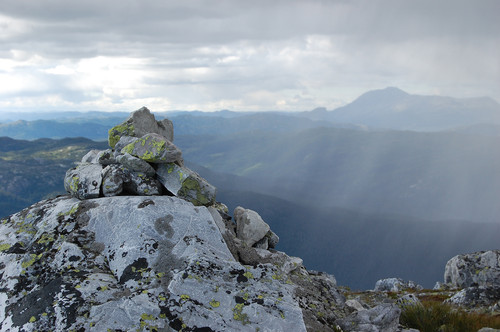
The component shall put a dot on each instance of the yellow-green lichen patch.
(45, 238)
(4, 246)
(147, 317)
(128, 148)
(32, 319)
(31, 261)
(70, 212)
(214, 303)
(25, 228)
(190, 186)
(115, 133)
(74, 182)
(185, 297)
(277, 276)
(248, 274)
(239, 315)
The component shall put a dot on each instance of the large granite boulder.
(84, 181)
(140, 123)
(133, 263)
(475, 269)
(474, 297)
(250, 228)
(395, 285)
(382, 318)
(154, 148)
(185, 183)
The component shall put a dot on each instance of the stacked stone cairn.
(143, 161)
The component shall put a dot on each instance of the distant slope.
(392, 108)
(190, 123)
(357, 247)
(426, 175)
(360, 248)
(53, 129)
(32, 170)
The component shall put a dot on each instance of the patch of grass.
(435, 316)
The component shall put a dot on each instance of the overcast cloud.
(241, 55)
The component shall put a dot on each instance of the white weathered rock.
(106, 157)
(154, 148)
(354, 304)
(84, 181)
(135, 164)
(140, 123)
(138, 183)
(131, 262)
(250, 227)
(90, 157)
(112, 180)
(475, 269)
(185, 183)
(395, 285)
(382, 318)
(123, 142)
(479, 296)
(408, 300)
(273, 239)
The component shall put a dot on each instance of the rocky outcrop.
(382, 318)
(141, 244)
(132, 262)
(477, 276)
(140, 123)
(395, 285)
(476, 269)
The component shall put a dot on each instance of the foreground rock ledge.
(133, 262)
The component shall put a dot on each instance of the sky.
(119, 55)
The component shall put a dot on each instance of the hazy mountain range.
(392, 183)
(389, 108)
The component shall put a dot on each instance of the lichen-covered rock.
(135, 164)
(250, 227)
(123, 142)
(382, 318)
(106, 157)
(475, 269)
(112, 180)
(408, 300)
(140, 123)
(133, 263)
(272, 239)
(103, 157)
(84, 181)
(137, 183)
(185, 183)
(90, 157)
(480, 296)
(154, 148)
(395, 285)
(321, 302)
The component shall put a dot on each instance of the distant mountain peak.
(387, 93)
